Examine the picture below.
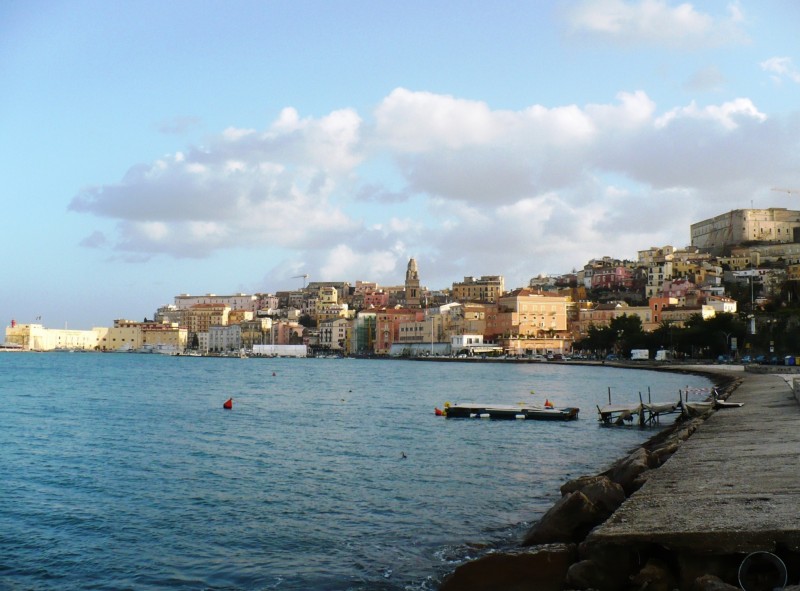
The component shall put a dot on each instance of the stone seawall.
(690, 523)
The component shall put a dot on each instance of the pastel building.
(487, 288)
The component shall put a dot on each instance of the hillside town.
(743, 265)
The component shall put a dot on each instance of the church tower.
(412, 285)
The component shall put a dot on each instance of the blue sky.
(154, 148)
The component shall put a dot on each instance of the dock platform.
(732, 488)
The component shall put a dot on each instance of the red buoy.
(228, 404)
(438, 412)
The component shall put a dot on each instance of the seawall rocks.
(587, 502)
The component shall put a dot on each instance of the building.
(657, 274)
(614, 278)
(602, 314)
(35, 337)
(165, 336)
(716, 235)
(223, 339)
(239, 301)
(256, 332)
(679, 315)
(333, 334)
(526, 322)
(487, 289)
(362, 341)
(387, 326)
(125, 335)
(200, 317)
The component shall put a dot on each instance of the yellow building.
(169, 337)
(484, 289)
(528, 313)
(202, 316)
(125, 335)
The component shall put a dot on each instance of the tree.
(307, 321)
(627, 332)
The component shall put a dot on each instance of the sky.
(150, 148)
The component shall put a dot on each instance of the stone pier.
(713, 505)
(731, 489)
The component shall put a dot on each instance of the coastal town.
(739, 277)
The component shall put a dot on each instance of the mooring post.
(641, 410)
(609, 394)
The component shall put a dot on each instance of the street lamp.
(727, 336)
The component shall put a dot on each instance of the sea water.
(123, 471)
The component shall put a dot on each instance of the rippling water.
(124, 472)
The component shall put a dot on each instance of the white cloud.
(728, 114)
(473, 190)
(655, 22)
(780, 68)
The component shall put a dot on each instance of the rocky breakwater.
(555, 553)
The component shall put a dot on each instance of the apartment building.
(657, 274)
(387, 326)
(333, 334)
(524, 312)
(487, 289)
(200, 317)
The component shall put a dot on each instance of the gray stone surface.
(732, 487)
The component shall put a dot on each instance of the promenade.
(731, 489)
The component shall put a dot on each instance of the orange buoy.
(438, 412)
(228, 404)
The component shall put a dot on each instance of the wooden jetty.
(649, 413)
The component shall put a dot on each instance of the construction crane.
(304, 276)
(782, 190)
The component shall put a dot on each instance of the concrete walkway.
(732, 487)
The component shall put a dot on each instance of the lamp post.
(727, 336)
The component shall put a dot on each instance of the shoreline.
(553, 545)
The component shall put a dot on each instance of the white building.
(224, 338)
(35, 337)
(333, 334)
(239, 301)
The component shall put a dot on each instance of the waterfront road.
(733, 487)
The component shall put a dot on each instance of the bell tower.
(412, 284)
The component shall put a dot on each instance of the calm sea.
(122, 471)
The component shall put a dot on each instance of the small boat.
(507, 411)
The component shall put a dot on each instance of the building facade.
(716, 235)
(486, 289)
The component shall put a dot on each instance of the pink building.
(387, 326)
(612, 278)
(376, 299)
